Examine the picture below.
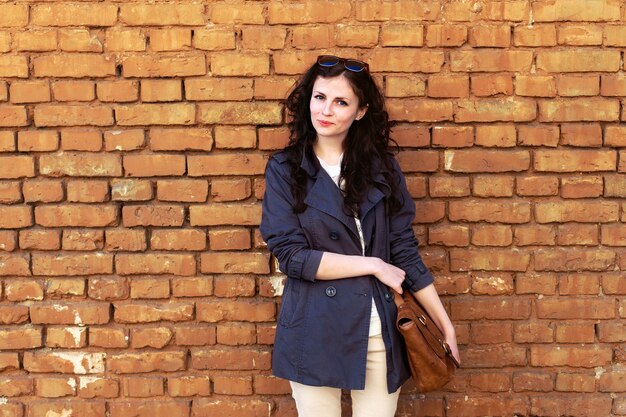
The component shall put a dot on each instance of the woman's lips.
(324, 123)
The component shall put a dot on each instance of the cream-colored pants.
(373, 401)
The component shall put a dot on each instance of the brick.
(14, 66)
(406, 60)
(581, 187)
(229, 137)
(489, 211)
(246, 13)
(584, 357)
(164, 66)
(131, 190)
(313, 37)
(412, 136)
(577, 234)
(613, 235)
(614, 35)
(108, 338)
(40, 239)
(226, 164)
(615, 136)
(192, 286)
(149, 288)
(402, 86)
(578, 211)
(448, 86)
(232, 406)
(492, 284)
(183, 190)
(214, 39)
(117, 91)
(16, 387)
(567, 10)
(401, 34)
(539, 135)
(534, 283)
(125, 39)
(154, 165)
(235, 286)
(195, 335)
(142, 387)
(611, 332)
(13, 116)
(230, 190)
(575, 160)
(188, 386)
(365, 36)
(55, 387)
(580, 35)
(162, 14)
(14, 15)
(495, 110)
(496, 135)
(96, 387)
(155, 114)
(492, 355)
(533, 381)
(498, 36)
(70, 115)
(169, 39)
(486, 161)
(492, 235)
(73, 90)
(416, 110)
(534, 36)
(17, 167)
(74, 65)
(137, 264)
(535, 86)
(575, 333)
(317, 11)
(576, 85)
(23, 290)
(80, 264)
(232, 385)
(488, 260)
(293, 62)
(234, 263)
(87, 191)
(490, 61)
(79, 40)
(429, 211)
(15, 217)
(81, 140)
(267, 113)
(578, 60)
(218, 89)
(188, 240)
(587, 135)
(62, 287)
(140, 312)
(83, 240)
(80, 215)
(491, 382)
(269, 37)
(184, 139)
(46, 191)
(129, 363)
(66, 337)
(238, 64)
(82, 408)
(404, 10)
(578, 110)
(449, 187)
(230, 239)
(270, 385)
(154, 337)
(485, 186)
(65, 362)
(448, 235)
(7, 141)
(438, 35)
(564, 260)
(29, 92)
(570, 382)
(74, 15)
(155, 215)
(9, 361)
(239, 359)
(8, 240)
(270, 88)
(161, 90)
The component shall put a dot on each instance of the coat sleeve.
(281, 229)
(403, 243)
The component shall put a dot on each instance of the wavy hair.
(368, 139)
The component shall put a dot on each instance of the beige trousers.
(373, 401)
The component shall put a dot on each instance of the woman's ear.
(361, 112)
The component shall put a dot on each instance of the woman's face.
(334, 107)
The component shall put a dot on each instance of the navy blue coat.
(323, 325)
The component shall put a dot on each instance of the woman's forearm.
(429, 299)
(336, 266)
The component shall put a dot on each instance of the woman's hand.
(451, 341)
(388, 274)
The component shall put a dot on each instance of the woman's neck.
(329, 151)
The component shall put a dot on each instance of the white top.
(334, 171)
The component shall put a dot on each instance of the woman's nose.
(327, 110)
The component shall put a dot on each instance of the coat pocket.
(292, 304)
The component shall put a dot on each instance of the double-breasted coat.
(323, 325)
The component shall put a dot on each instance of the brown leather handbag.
(430, 359)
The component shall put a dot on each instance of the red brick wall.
(133, 139)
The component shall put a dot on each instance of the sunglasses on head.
(353, 65)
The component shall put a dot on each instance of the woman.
(338, 217)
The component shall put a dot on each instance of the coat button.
(389, 296)
(331, 291)
(333, 235)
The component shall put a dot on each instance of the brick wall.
(133, 141)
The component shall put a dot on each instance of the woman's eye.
(342, 103)
(319, 97)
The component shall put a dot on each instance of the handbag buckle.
(422, 320)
